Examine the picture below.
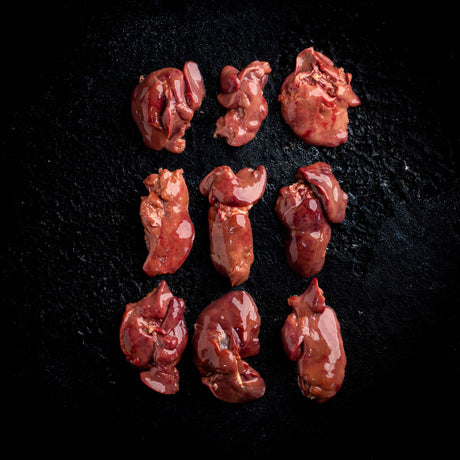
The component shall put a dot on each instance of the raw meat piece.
(226, 331)
(309, 231)
(311, 336)
(326, 188)
(163, 104)
(315, 98)
(307, 208)
(153, 337)
(169, 231)
(242, 96)
(231, 196)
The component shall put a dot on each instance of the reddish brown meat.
(231, 196)
(169, 231)
(163, 104)
(226, 331)
(306, 208)
(309, 231)
(315, 98)
(311, 336)
(153, 337)
(242, 96)
(326, 188)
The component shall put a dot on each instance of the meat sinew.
(242, 96)
(306, 208)
(169, 231)
(153, 337)
(231, 196)
(315, 98)
(226, 331)
(311, 337)
(163, 104)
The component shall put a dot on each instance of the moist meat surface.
(153, 337)
(230, 197)
(311, 337)
(306, 208)
(168, 229)
(226, 331)
(315, 98)
(242, 96)
(163, 104)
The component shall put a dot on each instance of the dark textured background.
(75, 240)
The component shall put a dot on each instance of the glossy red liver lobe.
(231, 196)
(326, 188)
(153, 337)
(315, 98)
(242, 96)
(226, 331)
(306, 208)
(163, 104)
(309, 231)
(169, 231)
(311, 336)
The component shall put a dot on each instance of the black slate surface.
(75, 241)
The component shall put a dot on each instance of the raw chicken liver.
(311, 337)
(153, 337)
(169, 231)
(226, 331)
(242, 96)
(230, 197)
(307, 208)
(163, 104)
(315, 98)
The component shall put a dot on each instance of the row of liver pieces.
(314, 102)
(306, 208)
(153, 337)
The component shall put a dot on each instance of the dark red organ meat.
(311, 336)
(231, 196)
(326, 188)
(226, 331)
(315, 98)
(242, 96)
(163, 104)
(169, 231)
(153, 337)
(309, 231)
(306, 208)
